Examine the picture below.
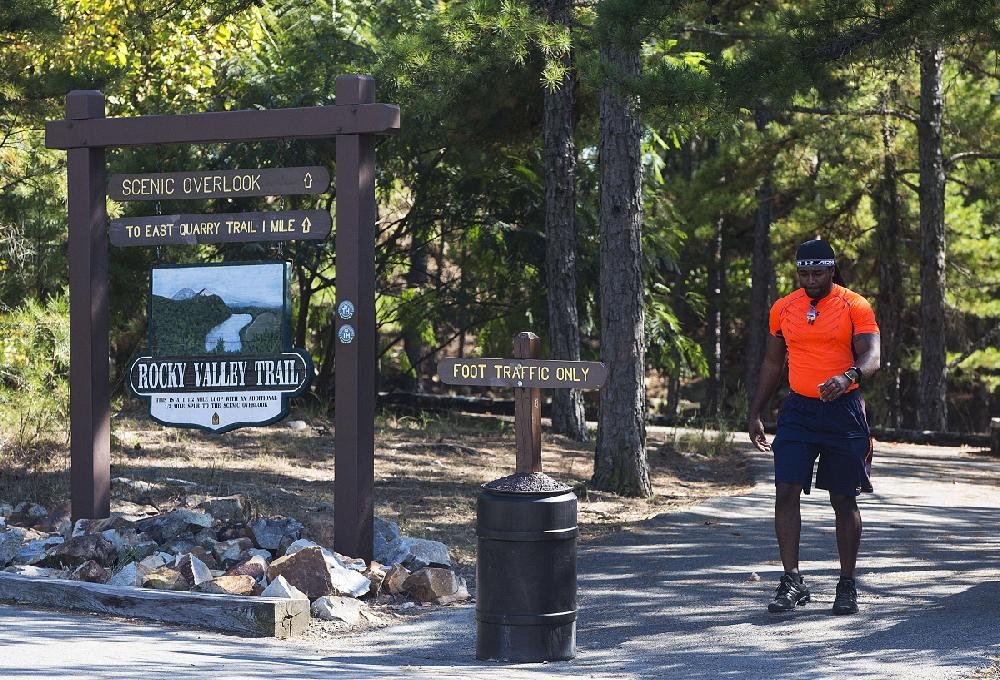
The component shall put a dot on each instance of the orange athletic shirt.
(820, 350)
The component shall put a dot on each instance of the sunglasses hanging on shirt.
(812, 313)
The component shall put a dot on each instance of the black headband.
(815, 253)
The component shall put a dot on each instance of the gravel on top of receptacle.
(526, 482)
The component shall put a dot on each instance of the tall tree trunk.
(413, 343)
(933, 410)
(560, 235)
(713, 339)
(761, 274)
(620, 457)
(305, 297)
(890, 299)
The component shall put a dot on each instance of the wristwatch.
(853, 374)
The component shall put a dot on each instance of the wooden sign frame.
(354, 121)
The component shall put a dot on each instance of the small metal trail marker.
(527, 374)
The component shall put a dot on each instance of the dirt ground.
(427, 472)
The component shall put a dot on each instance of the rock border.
(245, 616)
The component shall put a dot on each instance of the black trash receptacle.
(526, 570)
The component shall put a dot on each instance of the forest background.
(627, 178)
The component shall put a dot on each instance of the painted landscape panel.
(213, 310)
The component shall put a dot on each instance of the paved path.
(671, 599)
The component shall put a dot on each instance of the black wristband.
(859, 374)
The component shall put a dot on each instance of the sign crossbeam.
(230, 126)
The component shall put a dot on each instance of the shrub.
(34, 372)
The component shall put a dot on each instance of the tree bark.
(620, 457)
(413, 344)
(713, 339)
(933, 410)
(762, 273)
(560, 236)
(888, 238)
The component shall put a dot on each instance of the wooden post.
(995, 436)
(353, 496)
(90, 413)
(527, 411)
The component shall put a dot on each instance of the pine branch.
(893, 113)
(983, 342)
(969, 156)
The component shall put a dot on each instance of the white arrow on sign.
(306, 225)
(309, 180)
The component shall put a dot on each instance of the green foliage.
(177, 328)
(34, 372)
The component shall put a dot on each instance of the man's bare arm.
(767, 383)
(868, 350)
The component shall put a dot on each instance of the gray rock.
(194, 570)
(3, 522)
(91, 572)
(231, 551)
(163, 528)
(439, 586)
(143, 549)
(279, 587)
(271, 533)
(193, 518)
(10, 543)
(206, 538)
(297, 425)
(305, 569)
(386, 538)
(6, 509)
(226, 508)
(34, 552)
(37, 572)
(336, 608)
(80, 549)
(417, 553)
(152, 563)
(237, 584)
(165, 578)
(131, 575)
(347, 581)
(179, 546)
(263, 554)
(255, 567)
(179, 482)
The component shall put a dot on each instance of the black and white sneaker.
(791, 593)
(846, 601)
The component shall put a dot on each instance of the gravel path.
(674, 598)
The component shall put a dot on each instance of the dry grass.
(427, 472)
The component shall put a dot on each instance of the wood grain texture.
(246, 616)
(528, 410)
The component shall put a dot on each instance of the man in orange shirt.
(831, 340)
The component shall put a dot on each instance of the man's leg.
(788, 524)
(792, 590)
(848, 531)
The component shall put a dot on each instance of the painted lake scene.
(210, 310)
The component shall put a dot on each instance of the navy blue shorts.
(835, 431)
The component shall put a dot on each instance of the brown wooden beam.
(242, 615)
(527, 410)
(90, 411)
(343, 118)
(353, 495)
